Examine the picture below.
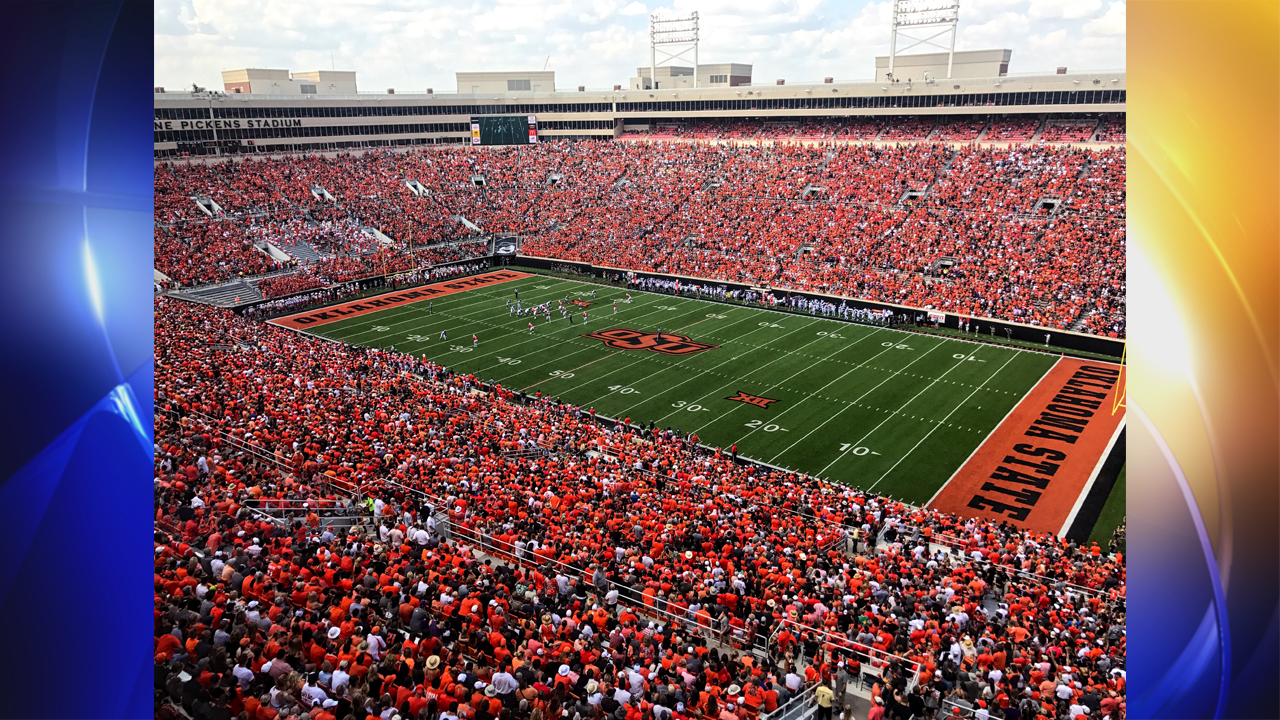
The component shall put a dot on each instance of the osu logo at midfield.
(668, 344)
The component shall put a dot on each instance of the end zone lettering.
(393, 299)
(1032, 469)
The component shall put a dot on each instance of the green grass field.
(881, 409)
(1113, 513)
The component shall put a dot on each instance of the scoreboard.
(504, 130)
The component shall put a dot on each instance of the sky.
(412, 45)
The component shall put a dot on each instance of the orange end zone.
(315, 318)
(1034, 467)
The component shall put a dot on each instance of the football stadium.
(697, 398)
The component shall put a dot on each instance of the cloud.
(410, 45)
(1066, 9)
(180, 18)
(981, 6)
(1112, 23)
(996, 32)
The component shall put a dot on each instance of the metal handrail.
(474, 536)
(956, 543)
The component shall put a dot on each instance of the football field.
(885, 410)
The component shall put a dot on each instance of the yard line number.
(846, 447)
(767, 427)
(684, 405)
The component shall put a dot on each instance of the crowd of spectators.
(1068, 131)
(1112, 130)
(1057, 129)
(1031, 233)
(916, 128)
(331, 293)
(517, 559)
(289, 284)
(1013, 128)
(963, 129)
(202, 252)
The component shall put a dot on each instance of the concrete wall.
(965, 64)
(497, 83)
(330, 82)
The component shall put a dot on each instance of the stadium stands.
(1013, 129)
(960, 129)
(513, 558)
(879, 220)
(1068, 131)
(1112, 130)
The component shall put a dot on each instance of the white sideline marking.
(1097, 469)
(993, 432)
(935, 427)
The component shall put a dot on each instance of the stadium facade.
(220, 123)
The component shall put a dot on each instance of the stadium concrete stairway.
(225, 294)
(303, 252)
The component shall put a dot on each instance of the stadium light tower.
(674, 36)
(923, 22)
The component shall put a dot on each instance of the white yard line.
(589, 346)
(430, 324)
(1084, 492)
(852, 403)
(940, 422)
(700, 373)
(993, 432)
(900, 409)
(663, 368)
(509, 332)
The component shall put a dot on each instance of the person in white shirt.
(251, 615)
(312, 694)
(376, 643)
(341, 678)
(242, 673)
(504, 683)
(636, 680)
